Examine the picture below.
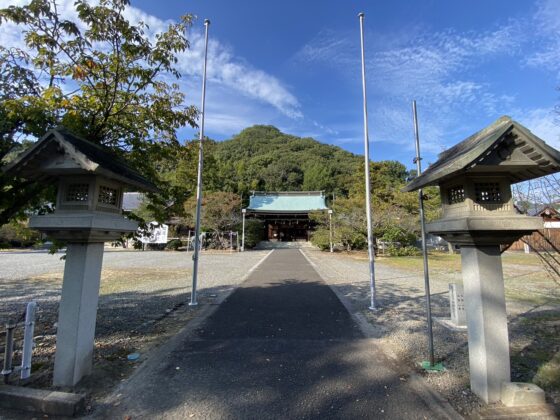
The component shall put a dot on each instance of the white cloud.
(433, 68)
(546, 22)
(544, 124)
(224, 68)
(547, 15)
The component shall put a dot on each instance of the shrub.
(174, 244)
(17, 234)
(321, 239)
(254, 232)
(350, 238)
(398, 234)
(404, 251)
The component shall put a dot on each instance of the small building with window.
(285, 215)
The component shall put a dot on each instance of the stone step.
(283, 245)
(541, 412)
(41, 400)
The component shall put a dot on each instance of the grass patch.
(539, 360)
(525, 278)
(445, 261)
(129, 280)
(436, 261)
(521, 259)
(548, 374)
(145, 279)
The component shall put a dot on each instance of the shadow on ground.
(283, 349)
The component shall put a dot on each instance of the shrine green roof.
(287, 202)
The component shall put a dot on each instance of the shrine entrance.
(280, 228)
(285, 215)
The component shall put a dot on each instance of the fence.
(27, 348)
(540, 241)
(226, 240)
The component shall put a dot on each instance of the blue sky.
(295, 65)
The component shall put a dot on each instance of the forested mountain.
(262, 158)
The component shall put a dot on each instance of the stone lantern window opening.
(456, 194)
(492, 194)
(108, 196)
(77, 193)
(488, 193)
(89, 193)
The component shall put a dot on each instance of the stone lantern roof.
(505, 147)
(60, 152)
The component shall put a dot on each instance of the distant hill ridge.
(270, 160)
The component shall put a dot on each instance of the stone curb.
(41, 401)
(540, 412)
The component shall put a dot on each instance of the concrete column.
(77, 313)
(486, 319)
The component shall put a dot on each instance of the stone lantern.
(88, 211)
(475, 178)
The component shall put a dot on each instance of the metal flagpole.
(330, 229)
(367, 177)
(418, 160)
(244, 211)
(196, 252)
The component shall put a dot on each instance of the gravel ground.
(143, 295)
(401, 322)
(142, 302)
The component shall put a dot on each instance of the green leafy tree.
(220, 210)
(317, 177)
(102, 77)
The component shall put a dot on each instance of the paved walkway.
(281, 346)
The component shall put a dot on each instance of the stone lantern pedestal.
(77, 312)
(87, 214)
(480, 242)
(479, 215)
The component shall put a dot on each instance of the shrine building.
(286, 214)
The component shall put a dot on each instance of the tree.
(101, 76)
(392, 209)
(317, 177)
(220, 210)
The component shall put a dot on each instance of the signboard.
(157, 234)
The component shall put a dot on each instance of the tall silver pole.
(418, 161)
(196, 252)
(244, 211)
(367, 177)
(330, 230)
